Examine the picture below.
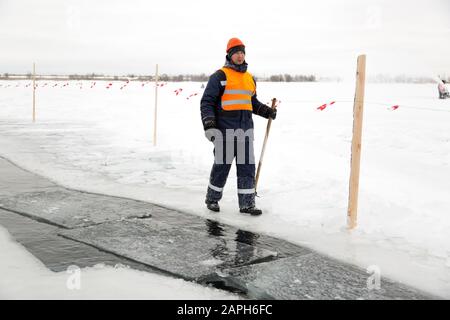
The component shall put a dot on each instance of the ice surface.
(75, 209)
(312, 276)
(179, 251)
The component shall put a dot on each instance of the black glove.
(209, 124)
(273, 113)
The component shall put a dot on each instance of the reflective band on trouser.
(215, 188)
(246, 191)
(223, 83)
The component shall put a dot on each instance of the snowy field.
(100, 140)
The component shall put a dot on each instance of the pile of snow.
(25, 277)
(100, 139)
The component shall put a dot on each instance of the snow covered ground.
(25, 277)
(100, 140)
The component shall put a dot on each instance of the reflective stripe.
(246, 191)
(230, 102)
(247, 92)
(215, 188)
(239, 89)
(224, 83)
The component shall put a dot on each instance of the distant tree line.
(204, 78)
(291, 78)
(273, 78)
(184, 77)
(382, 78)
(163, 77)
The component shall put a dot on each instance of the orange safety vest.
(239, 89)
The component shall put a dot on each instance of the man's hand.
(209, 124)
(273, 113)
(210, 129)
(209, 134)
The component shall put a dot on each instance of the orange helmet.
(234, 42)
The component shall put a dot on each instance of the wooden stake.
(358, 107)
(34, 92)
(269, 123)
(156, 106)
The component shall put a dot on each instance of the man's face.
(238, 57)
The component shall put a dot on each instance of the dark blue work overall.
(230, 99)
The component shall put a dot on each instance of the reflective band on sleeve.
(230, 102)
(247, 92)
(246, 191)
(224, 83)
(215, 188)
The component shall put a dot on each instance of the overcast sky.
(322, 37)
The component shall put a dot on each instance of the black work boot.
(252, 211)
(212, 205)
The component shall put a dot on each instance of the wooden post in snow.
(358, 107)
(34, 92)
(156, 106)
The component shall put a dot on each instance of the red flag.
(322, 107)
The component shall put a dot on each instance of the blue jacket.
(210, 107)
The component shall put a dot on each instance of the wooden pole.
(358, 107)
(156, 106)
(269, 123)
(34, 92)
